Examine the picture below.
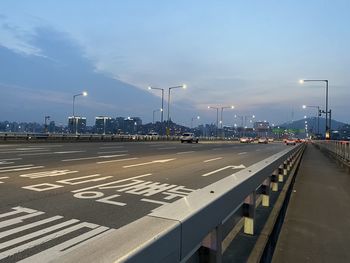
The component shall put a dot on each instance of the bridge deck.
(317, 223)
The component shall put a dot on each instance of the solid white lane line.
(33, 154)
(185, 152)
(118, 160)
(216, 149)
(152, 162)
(242, 153)
(112, 152)
(101, 185)
(155, 145)
(214, 159)
(22, 169)
(91, 158)
(28, 226)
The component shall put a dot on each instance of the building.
(76, 124)
(104, 125)
(262, 128)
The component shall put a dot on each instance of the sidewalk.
(317, 223)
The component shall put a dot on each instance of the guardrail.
(183, 230)
(340, 149)
(47, 137)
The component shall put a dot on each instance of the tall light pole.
(46, 119)
(222, 110)
(175, 87)
(217, 117)
(84, 93)
(325, 81)
(318, 115)
(154, 111)
(162, 108)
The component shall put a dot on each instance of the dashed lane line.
(185, 152)
(95, 157)
(242, 153)
(214, 159)
(118, 160)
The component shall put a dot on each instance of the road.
(55, 197)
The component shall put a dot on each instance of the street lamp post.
(154, 111)
(175, 87)
(326, 81)
(162, 108)
(217, 117)
(193, 119)
(84, 93)
(222, 110)
(318, 115)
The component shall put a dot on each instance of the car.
(263, 140)
(290, 141)
(271, 139)
(244, 140)
(188, 137)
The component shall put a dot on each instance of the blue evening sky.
(250, 54)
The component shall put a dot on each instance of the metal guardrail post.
(265, 192)
(211, 250)
(281, 173)
(274, 181)
(249, 213)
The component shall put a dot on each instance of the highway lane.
(102, 185)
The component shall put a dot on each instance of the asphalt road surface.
(55, 197)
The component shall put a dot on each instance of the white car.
(188, 137)
(244, 140)
(263, 140)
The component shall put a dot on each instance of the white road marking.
(216, 149)
(214, 159)
(107, 200)
(118, 160)
(4, 177)
(67, 246)
(12, 159)
(118, 181)
(185, 152)
(224, 168)
(5, 162)
(28, 226)
(48, 174)
(16, 166)
(156, 145)
(152, 162)
(242, 153)
(18, 210)
(18, 220)
(21, 169)
(33, 154)
(258, 150)
(69, 152)
(75, 181)
(154, 201)
(112, 152)
(42, 187)
(96, 157)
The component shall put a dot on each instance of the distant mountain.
(312, 124)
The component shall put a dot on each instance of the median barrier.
(191, 229)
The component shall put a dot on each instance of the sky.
(250, 54)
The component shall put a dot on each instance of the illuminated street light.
(318, 115)
(84, 93)
(162, 107)
(222, 110)
(175, 87)
(193, 118)
(154, 111)
(327, 112)
(217, 117)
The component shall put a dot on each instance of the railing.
(181, 231)
(37, 137)
(340, 148)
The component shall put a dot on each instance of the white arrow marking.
(224, 168)
(153, 162)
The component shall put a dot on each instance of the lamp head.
(85, 93)
(301, 81)
(304, 106)
(184, 86)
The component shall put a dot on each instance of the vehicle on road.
(271, 140)
(290, 141)
(188, 137)
(152, 136)
(263, 140)
(244, 140)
